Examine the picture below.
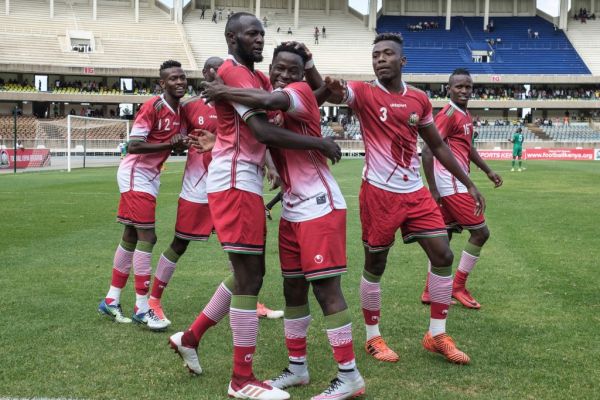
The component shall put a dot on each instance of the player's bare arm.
(275, 136)
(177, 142)
(441, 151)
(253, 98)
(272, 175)
(482, 165)
(427, 158)
(337, 88)
(202, 140)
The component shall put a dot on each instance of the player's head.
(172, 79)
(287, 65)
(460, 87)
(519, 130)
(245, 37)
(212, 63)
(388, 56)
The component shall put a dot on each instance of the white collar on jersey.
(387, 91)
(457, 107)
(162, 97)
(232, 58)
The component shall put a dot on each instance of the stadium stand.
(585, 39)
(440, 51)
(343, 51)
(119, 41)
(575, 133)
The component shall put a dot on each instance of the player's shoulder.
(416, 92)
(301, 87)
(154, 103)
(193, 101)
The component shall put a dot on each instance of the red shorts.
(313, 249)
(137, 209)
(457, 210)
(239, 219)
(382, 213)
(193, 221)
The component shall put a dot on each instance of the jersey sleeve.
(427, 115)
(299, 95)
(443, 123)
(354, 94)
(144, 121)
(242, 78)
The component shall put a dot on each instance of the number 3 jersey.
(197, 115)
(156, 122)
(456, 128)
(390, 123)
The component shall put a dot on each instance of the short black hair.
(169, 64)
(211, 61)
(291, 48)
(460, 71)
(394, 37)
(233, 22)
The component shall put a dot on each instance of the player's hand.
(179, 142)
(330, 149)
(436, 195)
(300, 46)
(277, 119)
(213, 91)
(337, 87)
(494, 177)
(202, 140)
(479, 200)
(273, 178)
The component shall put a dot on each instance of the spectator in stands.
(290, 31)
(220, 14)
(214, 17)
(491, 26)
(55, 110)
(536, 35)
(529, 33)
(278, 29)
(20, 145)
(202, 12)
(317, 36)
(323, 32)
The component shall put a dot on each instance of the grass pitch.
(536, 336)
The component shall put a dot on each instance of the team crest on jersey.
(413, 119)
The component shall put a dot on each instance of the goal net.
(80, 142)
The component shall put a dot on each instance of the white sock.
(298, 366)
(372, 331)
(348, 371)
(437, 326)
(141, 302)
(114, 293)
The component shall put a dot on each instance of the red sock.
(157, 288)
(142, 284)
(460, 279)
(119, 279)
(201, 325)
(296, 346)
(242, 363)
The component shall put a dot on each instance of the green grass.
(536, 336)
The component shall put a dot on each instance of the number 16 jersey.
(389, 123)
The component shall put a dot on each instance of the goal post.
(81, 142)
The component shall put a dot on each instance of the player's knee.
(295, 291)
(443, 259)
(147, 235)
(481, 236)
(130, 234)
(179, 246)
(329, 294)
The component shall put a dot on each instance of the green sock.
(144, 246)
(513, 163)
(442, 271)
(243, 302)
(170, 255)
(297, 312)
(229, 282)
(371, 277)
(520, 163)
(127, 246)
(338, 319)
(472, 249)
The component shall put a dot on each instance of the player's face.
(387, 60)
(250, 40)
(460, 89)
(286, 68)
(174, 82)
(208, 76)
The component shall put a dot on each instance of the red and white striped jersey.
(456, 128)
(155, 122)
(310, 191)
(389, 123)
(197, 115)
(238, 158)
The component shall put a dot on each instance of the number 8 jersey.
(389, 123)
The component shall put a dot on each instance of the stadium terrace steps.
(551, 54)
(346, 50)
(120, 41)
(585, 38)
